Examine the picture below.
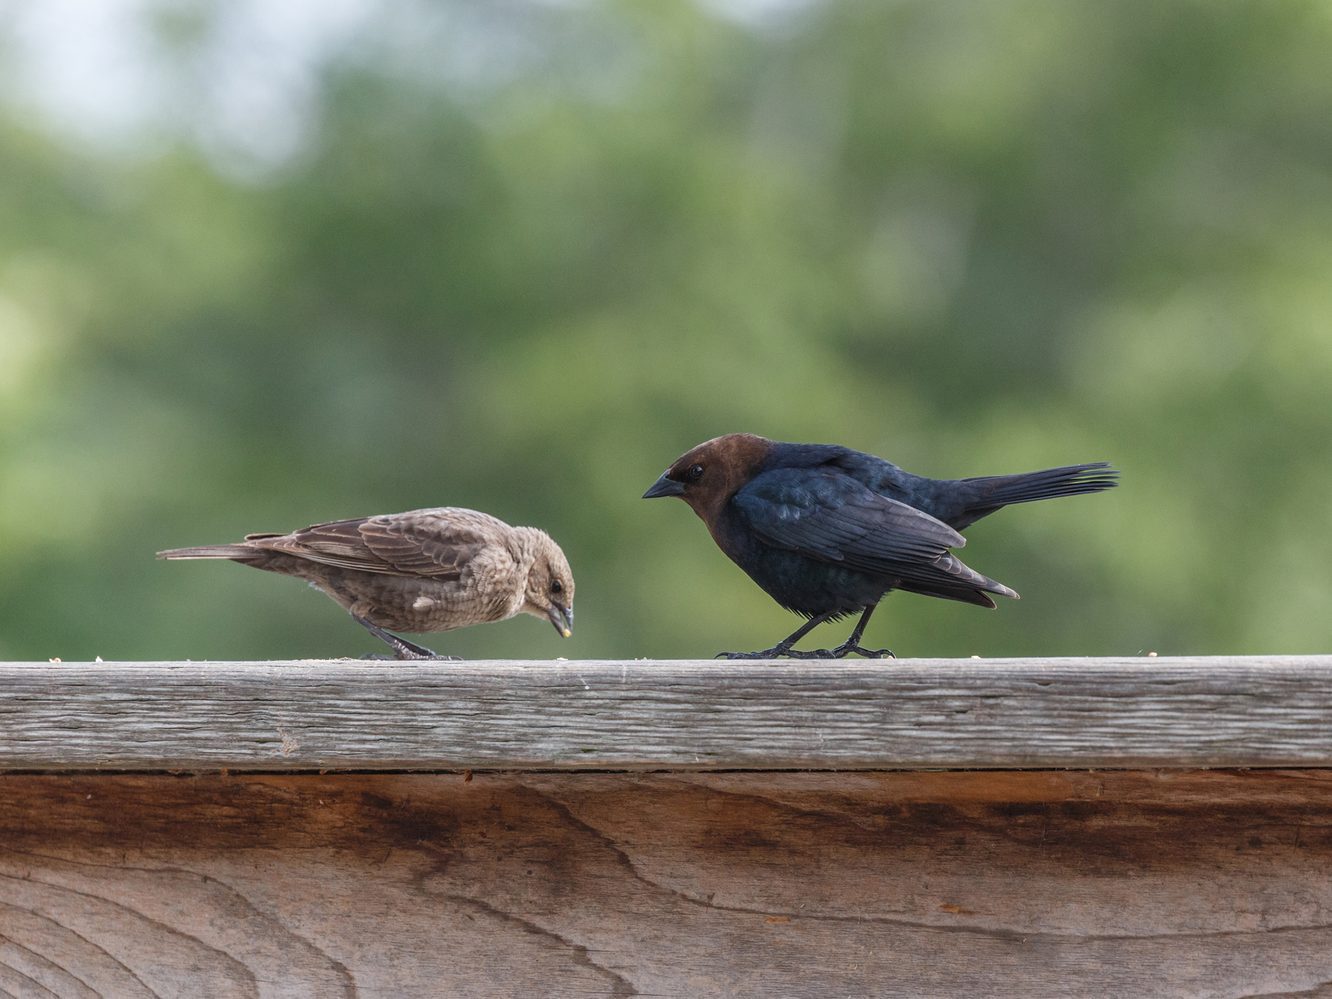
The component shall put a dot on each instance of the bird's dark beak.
(665, 486)
(562, 618)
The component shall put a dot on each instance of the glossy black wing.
(828, 515)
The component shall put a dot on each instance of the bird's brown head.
(707, 476)
(550, 585)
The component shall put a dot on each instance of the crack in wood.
(626, 862)
(621, 987)
(1319, 990)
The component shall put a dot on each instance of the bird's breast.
(797, 581)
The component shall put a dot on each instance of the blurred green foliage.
(521, 256)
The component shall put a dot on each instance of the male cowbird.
(424, 570)
(827, 531)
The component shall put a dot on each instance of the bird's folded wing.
(437, 546)
(830, 516)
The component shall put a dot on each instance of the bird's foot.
(402, 649)
(418, 653)
(433, 657)
(847, 648)
(841, 652)
(777, 652)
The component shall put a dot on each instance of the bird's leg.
(783, 648)
(852, 644)
(402, 649)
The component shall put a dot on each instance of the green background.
(520, 256)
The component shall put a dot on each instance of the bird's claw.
(406, 651)
(402, 649)
(414, 656)
(378, 657)
(842, 651)
(777, 652)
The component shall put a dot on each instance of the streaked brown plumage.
(423, 570)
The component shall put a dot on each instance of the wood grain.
(694, 885)
(1205, 712)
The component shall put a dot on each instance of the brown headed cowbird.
(827, 531)
(424, 570)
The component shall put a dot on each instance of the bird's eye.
(556, 586)
(694, 473)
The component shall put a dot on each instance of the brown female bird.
(424, 570)
(827, 531)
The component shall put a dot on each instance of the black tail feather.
(992, 492)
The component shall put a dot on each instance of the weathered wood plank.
(912, 884)
(1251, 712)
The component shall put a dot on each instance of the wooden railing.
(1108, 827)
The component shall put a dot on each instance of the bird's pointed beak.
(664, 486)
(562, 618)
